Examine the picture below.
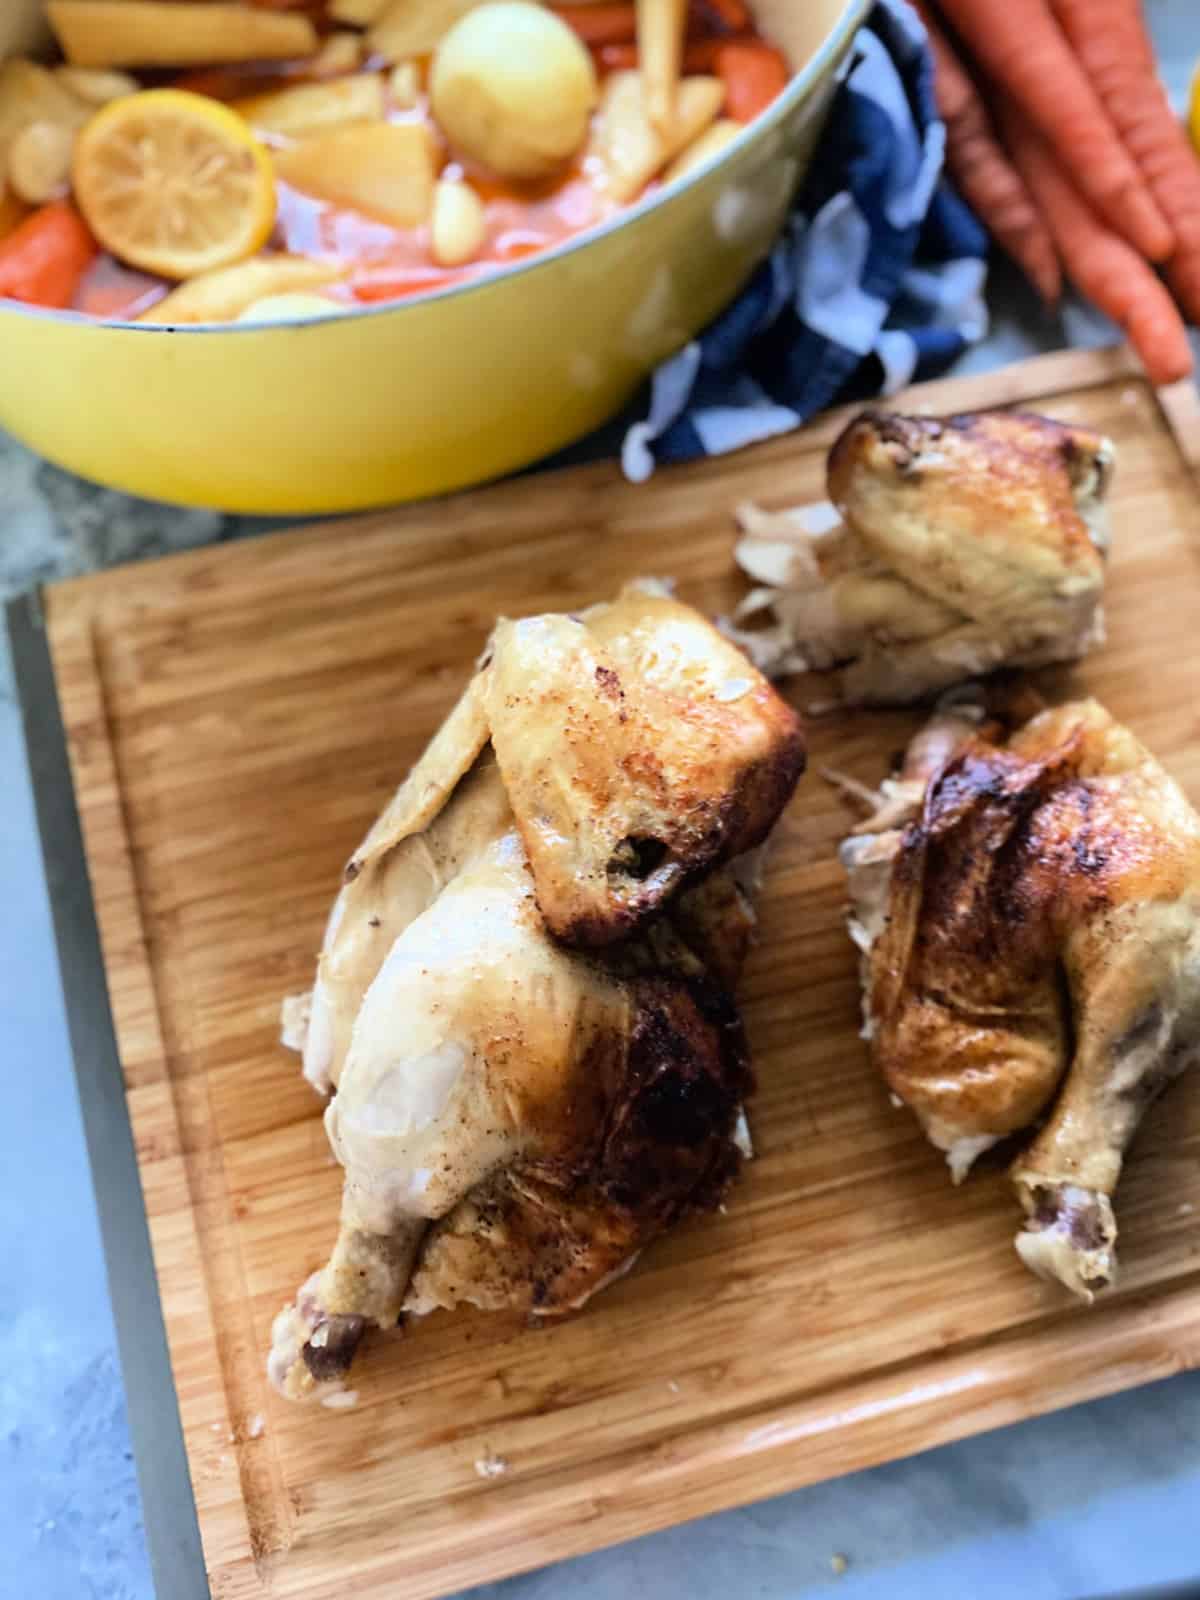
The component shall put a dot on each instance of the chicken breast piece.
(518, 1114)
(1028, 911)
(950, 547)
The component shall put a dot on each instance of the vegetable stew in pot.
(283, 159)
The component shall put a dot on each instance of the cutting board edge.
(119, 914)
(1141, 1340)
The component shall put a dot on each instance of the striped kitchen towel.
(876, 281)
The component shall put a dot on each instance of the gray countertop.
(1096, 1500)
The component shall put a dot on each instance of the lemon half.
(174, 183)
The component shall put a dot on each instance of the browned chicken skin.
(1028, 910)
(523, 998)
(951, 546)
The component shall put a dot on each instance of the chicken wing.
(950, 547)
(522, 1002)
(1028, 912)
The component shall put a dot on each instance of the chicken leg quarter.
(522, 1005)
(1028, 911)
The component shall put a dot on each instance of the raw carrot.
(1023, 48)
(601, 24)
(1103, 266)
(42, 261)
(986, 176)
(1109, 38)
(753, 74)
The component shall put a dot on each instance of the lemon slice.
(174, 183)
(1194, 110)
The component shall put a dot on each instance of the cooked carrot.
(1102, 266)
(42, 261)
(1109, 37)
(699, 56)
(240, 82)
(376, 283)
(616, 57)
(753, 74)
(601, 24)
(12, 212)
(1022, 46)
(985, 175)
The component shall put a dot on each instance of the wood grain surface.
(237, 716)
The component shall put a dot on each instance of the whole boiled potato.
(512, 88)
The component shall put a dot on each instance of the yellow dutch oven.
(439, 391)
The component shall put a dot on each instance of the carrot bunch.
(1060, 135)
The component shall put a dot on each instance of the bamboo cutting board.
(237, 716)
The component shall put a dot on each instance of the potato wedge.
(660, 30)
(339, 53)
(223, 295)
(710, 143)
(385, 169)
(629, 149)
(359, 13)
(161, 33)
(308, 108)
(294, 307)
(415, 27)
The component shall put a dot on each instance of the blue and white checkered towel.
(877, 280)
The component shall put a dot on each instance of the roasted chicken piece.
(522, 1003)
(949, 547)
(1028, 912)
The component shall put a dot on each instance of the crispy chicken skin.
(527, 1023)
(1028, 912)
(951, 546)
(638, 751)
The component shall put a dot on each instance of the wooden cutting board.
(235, 719)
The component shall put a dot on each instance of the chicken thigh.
(1028, 912)
(949, 547)
(522, 1005)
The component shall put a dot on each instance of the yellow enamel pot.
(437, 392)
